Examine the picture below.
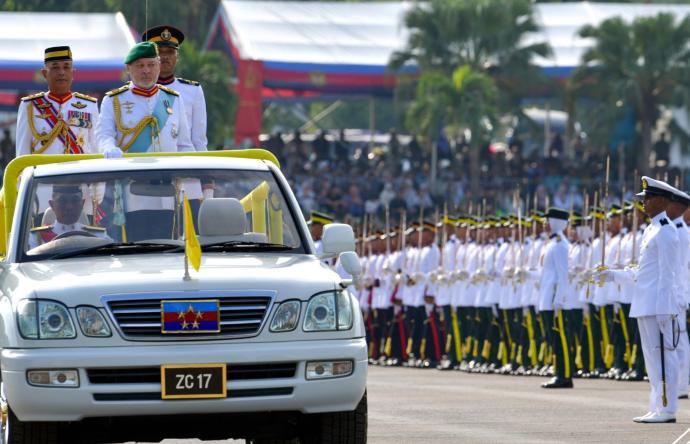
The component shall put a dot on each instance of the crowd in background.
(350, 178)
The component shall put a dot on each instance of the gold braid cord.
(134, 131)
(46, 140)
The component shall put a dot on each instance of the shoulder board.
(33, 96)
(116, 91)
(168, 90)
(85, 97)
(663, 221)
(42, 228)
(188, 82)
(93, 228)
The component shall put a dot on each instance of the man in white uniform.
(654, 302)
(144, 117)
(553, 297)
(67, 203)
(679, 203)
(168, 39)
(58, 121)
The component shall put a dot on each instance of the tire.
(338, 427)
(19, 432)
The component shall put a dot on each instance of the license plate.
(193, 381)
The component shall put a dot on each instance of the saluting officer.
(168, 39)
(58, 121)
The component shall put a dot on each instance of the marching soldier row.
(562, 294)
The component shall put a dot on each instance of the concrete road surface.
(428, 406)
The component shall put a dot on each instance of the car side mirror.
(337, 238)
(352, 266)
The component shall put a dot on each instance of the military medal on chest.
(129, 106)
(168, 107)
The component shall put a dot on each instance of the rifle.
(604, 227)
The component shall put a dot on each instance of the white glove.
(208, 193)
(112, 153)
(603, 276)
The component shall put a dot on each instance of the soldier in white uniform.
(553, 297)
(679, 203)
(316, 222)
(67, 203)
(655, 303)
(168, 39)
(144, 117)
(58, 121)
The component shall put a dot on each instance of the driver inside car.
(67, 203)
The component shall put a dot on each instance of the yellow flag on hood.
(191, 244)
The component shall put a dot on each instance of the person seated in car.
(67, 203)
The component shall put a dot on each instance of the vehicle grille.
(235, 372)
(156, 396)
(141, 318)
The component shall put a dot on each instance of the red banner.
(249, 88)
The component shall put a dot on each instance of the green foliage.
(640, 65)
(212, 69)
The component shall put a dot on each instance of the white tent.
(99, 43)
(293, 34)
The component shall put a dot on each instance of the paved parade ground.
(428, 406)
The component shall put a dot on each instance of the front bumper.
(32, 403)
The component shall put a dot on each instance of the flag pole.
(186, 276)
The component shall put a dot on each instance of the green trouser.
(622, 341)
(636, 358)
(576, 337)
(596, 315)
(560, 332)
(489, 340)
(590, 339)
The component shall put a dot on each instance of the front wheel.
(338, 427)
(15, 431)
(18, 432)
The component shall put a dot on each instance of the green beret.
(143, 50)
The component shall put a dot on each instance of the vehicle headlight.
(328, 311)
(92, 322)
(286, 316)
(44, 320)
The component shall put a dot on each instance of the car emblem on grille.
(190, 316)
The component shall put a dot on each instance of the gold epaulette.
(33, 96)
(86, 97)
(188, 82)
(93, 228)
(42, 228)
(168, 90)
(116, 91)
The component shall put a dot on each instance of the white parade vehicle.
(109, 334)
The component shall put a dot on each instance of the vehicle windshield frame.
(22, 239)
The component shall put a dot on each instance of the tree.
(212, 69)
(488, 38)
(639, 65)
(466, 99)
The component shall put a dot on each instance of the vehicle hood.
(84, 280)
